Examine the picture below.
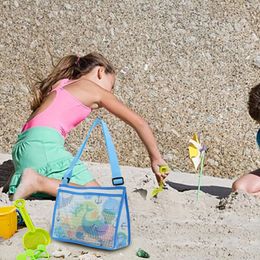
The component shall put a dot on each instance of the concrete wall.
(185, 66)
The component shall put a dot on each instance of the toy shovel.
(34, 236)
(164, 169)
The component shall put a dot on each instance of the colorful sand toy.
(163, 169)
(197, 153)
(38, 253)
(8, 221)
(35, 236)
(142, 253)
(20, 221)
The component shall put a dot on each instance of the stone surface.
(185, 66)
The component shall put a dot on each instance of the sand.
(174, 225)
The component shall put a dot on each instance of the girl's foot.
(29, 184)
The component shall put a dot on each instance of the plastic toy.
(35, 236)
(164, 169)
(39, 252)
(197, 152)
(142, 253)
(20, 219)
(8, 221)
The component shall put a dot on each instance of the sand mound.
(175, 225)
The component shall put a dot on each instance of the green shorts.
(42, 149)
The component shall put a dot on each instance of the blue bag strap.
(117, 178)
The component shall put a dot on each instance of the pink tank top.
(64, 113)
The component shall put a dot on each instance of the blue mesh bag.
(93, 216)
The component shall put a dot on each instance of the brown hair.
(71, 67)
(254, 103)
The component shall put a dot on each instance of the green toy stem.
(20, 205)
(200, 173)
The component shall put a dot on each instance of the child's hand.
(155, 164)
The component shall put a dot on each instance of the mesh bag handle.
(117, 178)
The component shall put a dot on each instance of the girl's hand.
(155, 164)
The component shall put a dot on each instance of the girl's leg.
(33, 182)
(249, 183)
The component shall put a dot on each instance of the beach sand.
(172, 226)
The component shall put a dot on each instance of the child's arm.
(113, 105)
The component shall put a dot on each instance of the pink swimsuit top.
(64, 113)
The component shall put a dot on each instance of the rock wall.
(185, 66)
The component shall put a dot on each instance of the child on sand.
(250, 182)
(75, 87)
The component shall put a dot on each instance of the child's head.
(254, 103)
(94, 65)
(97, 67)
